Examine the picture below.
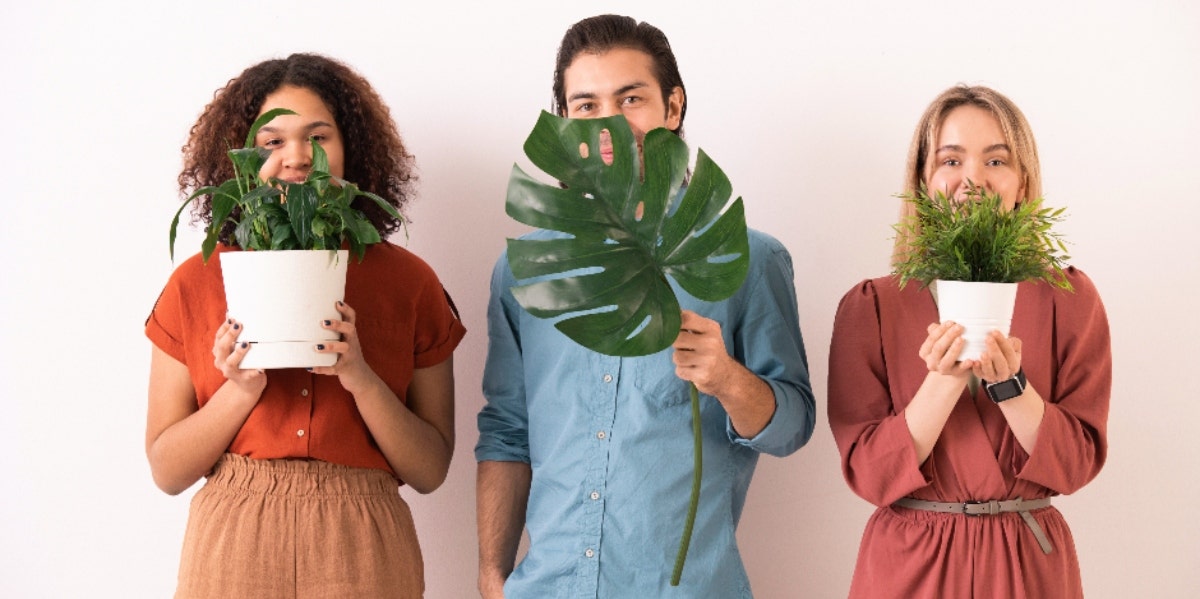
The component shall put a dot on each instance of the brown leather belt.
(988, 508)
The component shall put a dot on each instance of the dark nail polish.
(320, 346)
(328, 322)
(244, 344)
(237, 327)
(308, 369)
(341, 303)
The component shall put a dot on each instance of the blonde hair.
(1017, 134)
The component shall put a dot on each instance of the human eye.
(997, 162)
(951, 162)
(630, 100)
(271, 142)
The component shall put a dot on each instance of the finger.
(233, 361)
(949, 356)
(348, 313)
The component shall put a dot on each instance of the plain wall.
(807, 106)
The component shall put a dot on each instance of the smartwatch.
(1007, 389)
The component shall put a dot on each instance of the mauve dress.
(874, 371)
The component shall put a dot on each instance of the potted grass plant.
(293, 267)
(974, 252)
(607, 278)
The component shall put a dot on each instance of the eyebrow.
(989, 149)
(620, 91)
(309, 127)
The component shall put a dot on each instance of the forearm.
(1024, 415)
(417, 451)
(929, 409)
(187, 450)
(747, 399)
(501, 498)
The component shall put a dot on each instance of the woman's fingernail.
(320, 346)
(244, 345)
(341, 303)
(328, 322)
(308, 369)
(237, 326)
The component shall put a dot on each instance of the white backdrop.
(808, 106)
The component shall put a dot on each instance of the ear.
(675, 108)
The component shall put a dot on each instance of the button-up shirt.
(609, 441)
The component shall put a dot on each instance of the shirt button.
(590, 553)
(300, 433)
(304, 393)
(601, 435)
(608, 378)
(595, 495)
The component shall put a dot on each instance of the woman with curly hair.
(304, 465)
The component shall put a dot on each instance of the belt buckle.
(966, 513)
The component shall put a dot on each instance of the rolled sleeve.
(767, 340)
(504, 420)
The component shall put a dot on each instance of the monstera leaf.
(626, 229)
(626, 233)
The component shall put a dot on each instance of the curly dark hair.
(375, 157)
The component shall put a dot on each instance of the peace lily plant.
(627, 235)
(316, 214)
(281, 296)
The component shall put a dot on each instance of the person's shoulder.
(386, 256)
(871, 288)
(764, 241)
(1083, 293)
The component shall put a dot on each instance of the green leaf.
(627, 232)
(301, 206)
(320, 160)
(977, 239)
(262, 120)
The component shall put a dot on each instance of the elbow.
(166, 484)
(427, 485)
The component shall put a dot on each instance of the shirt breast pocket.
(655, 380)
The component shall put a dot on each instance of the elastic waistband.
(299, 477)
(988, 508)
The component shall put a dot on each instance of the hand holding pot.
(351, 369)
(227, 357)
(942, 347)
(1001, 358)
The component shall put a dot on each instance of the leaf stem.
(697, 470)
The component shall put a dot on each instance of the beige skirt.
(290, 528)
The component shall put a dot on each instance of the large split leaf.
(627, 230)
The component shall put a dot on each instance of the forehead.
(969, 124)
(304, 101)
(609, 70)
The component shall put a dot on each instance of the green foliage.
(626, 234)
(276, 215)
(978, 240)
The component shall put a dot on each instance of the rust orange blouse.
(405, 321)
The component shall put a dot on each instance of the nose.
(974, 178)
(297, 155)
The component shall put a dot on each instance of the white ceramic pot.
(979, 307)
(281, 297)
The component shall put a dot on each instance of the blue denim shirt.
(609, 441)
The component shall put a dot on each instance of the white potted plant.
(293, 269)
(974, 252)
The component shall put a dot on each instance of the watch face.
(1004, 390)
